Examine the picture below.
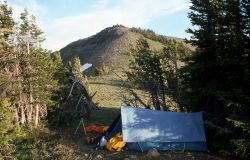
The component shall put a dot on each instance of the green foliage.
(6, 112)
(145, 70)
(60, 74)
(150, 34)
(6, 128)
(215, 73)
(63, 112)
(6, 25)
(182, 50)
(157, 72)
(216, 77)
(75, 70)
(24, 26)
(152, 71)
(241, 148)
(76, 65)
(145, 65)
(41, 76)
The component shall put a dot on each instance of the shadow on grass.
(116, 83)
(103, 115)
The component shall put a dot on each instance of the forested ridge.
(213, 77)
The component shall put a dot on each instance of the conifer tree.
(24, 32)
(216, 77)
(6, 26)
(7, 65)
(58, 103)
(36, 33)
(76, 65)
(214, 72)
(6, 32)
(146, 70)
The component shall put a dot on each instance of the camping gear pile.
(142, 130)
(94, 129)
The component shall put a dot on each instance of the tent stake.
(81, 122)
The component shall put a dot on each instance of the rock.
(153, 153)
(98, 157)
(86, 155)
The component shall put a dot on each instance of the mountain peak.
(102, 47)
(107, 46)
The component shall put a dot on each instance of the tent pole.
(81, 122)
(140, 147)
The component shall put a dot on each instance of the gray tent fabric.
(144, 125)
(144, 129)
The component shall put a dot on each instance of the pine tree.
(7, 64)
(59, 105)
(76, 65)
(6, 33)
(216, 77)
(172, 54)
(24, 32)
(6, 26)
(36, 33)
(146, 71)
(7, 56)
(202, 74)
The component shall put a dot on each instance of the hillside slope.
(109, 46)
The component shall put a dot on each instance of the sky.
(65, 21)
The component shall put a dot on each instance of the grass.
(110, 89)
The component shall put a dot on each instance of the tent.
(144, 129)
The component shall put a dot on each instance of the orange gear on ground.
(97, 129)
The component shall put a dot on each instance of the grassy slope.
(109, 90)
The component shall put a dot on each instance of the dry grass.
(110, 89)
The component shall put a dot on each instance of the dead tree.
(85, 99)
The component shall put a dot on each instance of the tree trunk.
(23, 119)
(163, 97)
(16, 116)
(28, 43)
(158, 103)
(36, 115)
(30, 110)
(29, 113)
(177, 81)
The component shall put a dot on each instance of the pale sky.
(64, 21)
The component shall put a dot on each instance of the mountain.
(109, 46)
